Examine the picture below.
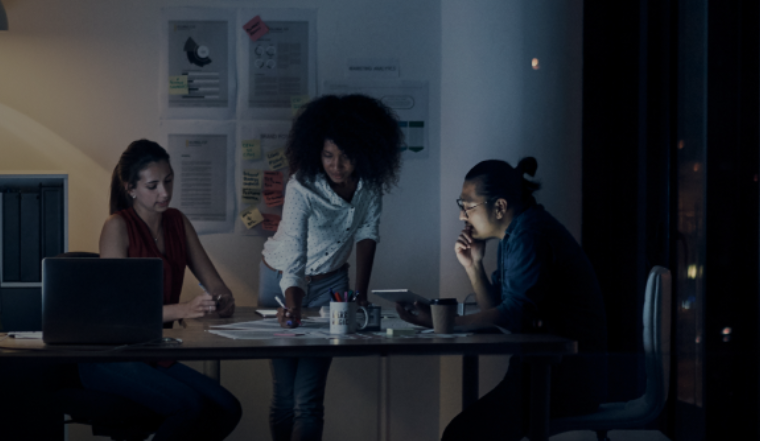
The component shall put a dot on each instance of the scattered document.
(36, 335)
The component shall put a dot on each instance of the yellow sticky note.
(298, 101)
(277, 159)
(178, 85)
(252, 149)
(252, 179)
(251, 217)
(252, 197)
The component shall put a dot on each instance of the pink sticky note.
(273, 181)
(274, 199)
(271, 222)
(255, 28)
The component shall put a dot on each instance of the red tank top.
(141, 244)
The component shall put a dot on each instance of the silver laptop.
(101, 301)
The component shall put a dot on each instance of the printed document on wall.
(409, 99)
(261, 175)
(197, 64)
(203, 163)
(277, 63)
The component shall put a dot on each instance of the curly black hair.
(364, 128)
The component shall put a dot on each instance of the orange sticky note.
(255, 28)
(274, 198)
(273, 181)
(271, 222)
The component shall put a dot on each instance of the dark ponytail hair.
(135, 158)
(497, 179)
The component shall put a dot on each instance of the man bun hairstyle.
(496, 179)
(135, 158)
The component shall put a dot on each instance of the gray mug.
(374, 317)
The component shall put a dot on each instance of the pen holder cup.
(343, 317)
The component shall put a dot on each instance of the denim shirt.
(547, 283)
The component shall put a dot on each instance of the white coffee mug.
(343, 317)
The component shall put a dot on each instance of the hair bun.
(528, 165)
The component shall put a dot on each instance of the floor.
(82, 433)
(613, 435)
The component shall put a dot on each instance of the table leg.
(540, 387)
(211, 369)
(384, 407)
(469, 380)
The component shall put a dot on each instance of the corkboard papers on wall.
(197, 68)
(202, 157)
(244, 63)
(277, 71)
(258, 185)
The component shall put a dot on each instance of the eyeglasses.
(460, 204)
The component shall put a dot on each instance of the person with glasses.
(344, 153)
(544, 283)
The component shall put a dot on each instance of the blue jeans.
(297, 410)
(196, 407)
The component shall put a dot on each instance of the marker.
(289, 322)
(336, 296)
(214, 298)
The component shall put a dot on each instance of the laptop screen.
(101, 301)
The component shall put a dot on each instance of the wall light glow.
(691, 271)
(534, 63)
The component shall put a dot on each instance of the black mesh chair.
(109, 414)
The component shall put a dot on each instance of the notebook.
(101, 301)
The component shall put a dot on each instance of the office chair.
(109, 414)
(637, 413)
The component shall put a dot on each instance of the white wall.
(80, 81)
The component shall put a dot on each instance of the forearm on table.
(365, 258)
(173, 312)
(294, 297)
(491, 316)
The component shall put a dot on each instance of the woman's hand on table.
(422, 318)
(225, 304)
(289, 318)
(201, 305)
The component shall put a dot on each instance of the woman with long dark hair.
(142, 225)
(544, 283)
(344, 151)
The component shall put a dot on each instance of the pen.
(215, 298)
(337, 297)
(289, 322)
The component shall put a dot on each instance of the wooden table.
(197, 344)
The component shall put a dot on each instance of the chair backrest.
(657, 338)
(78, 254)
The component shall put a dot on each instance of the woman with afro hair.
(344, 153)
